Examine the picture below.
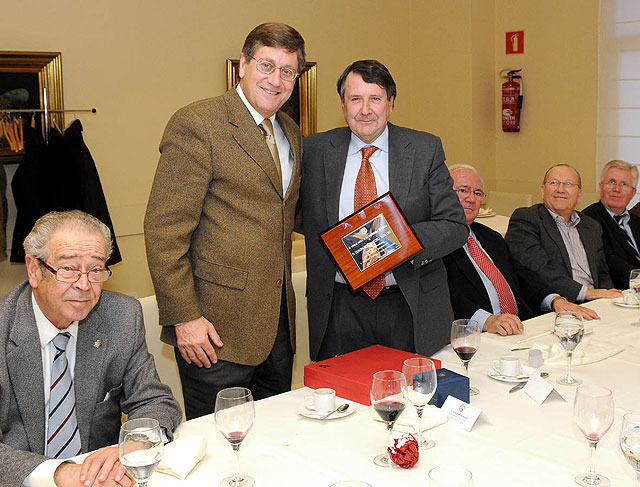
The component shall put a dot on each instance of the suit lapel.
(335, 160)
(88, 371)
(248, 136)
(401, 157)
(24, 364)
(552, 230)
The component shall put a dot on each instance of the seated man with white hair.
(73, 359)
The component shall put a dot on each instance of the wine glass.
(569, 329)
(634, 285)
(465, 340)
(630, 441)
(235, 415)
(140, 448)
(593, 414)
(387, 397)
(420, 375)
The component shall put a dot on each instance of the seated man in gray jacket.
(73, 360)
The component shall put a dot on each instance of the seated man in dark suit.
(482, 281)
(562, 246)
(76, 356)
(620, 229)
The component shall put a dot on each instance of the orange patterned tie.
(364, 194)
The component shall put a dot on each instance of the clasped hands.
(100, 469)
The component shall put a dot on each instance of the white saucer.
(506, 378)
(622, 304)
(311, 414)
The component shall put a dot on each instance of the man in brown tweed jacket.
(218, 228)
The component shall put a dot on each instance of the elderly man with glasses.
(73, 361)
(620, 229)
(483, 283)
(564, 247)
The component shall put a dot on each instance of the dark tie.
(620, 221)
(267, 130)
(364, 194)
(64, 438)
(507, 303)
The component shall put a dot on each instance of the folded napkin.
(486, 212)
(586, 353)
(181, 455)
(407, 422)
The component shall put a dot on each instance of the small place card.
(461, 413)
(539, 389)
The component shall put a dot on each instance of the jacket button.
(279, 283)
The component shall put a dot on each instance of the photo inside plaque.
(371, 242)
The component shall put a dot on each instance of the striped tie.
(620, 221)
(64, 438)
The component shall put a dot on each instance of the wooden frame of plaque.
(371, 241)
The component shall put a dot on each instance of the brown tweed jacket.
(218, 229)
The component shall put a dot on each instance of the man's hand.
(194, 342)
(562, 304)
(90, 473)
(370, 255)
(503, 324)
(603, 293)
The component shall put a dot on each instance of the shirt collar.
(574, 219)
(46, 330)
(254, 113)
(625, 213)
(382, 142)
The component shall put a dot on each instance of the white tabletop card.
(462, 414)
(539, 389)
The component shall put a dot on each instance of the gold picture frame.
(305, 113)
(47, 68)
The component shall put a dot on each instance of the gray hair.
(621, 165)
(457, 167)
(37, 242)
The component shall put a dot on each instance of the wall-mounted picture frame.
(302, 106)
(23, 75)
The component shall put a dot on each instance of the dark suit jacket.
(218, 228)
(121, 366)
(420, 183)
(468, 293)
(621, 257)
(536, 244)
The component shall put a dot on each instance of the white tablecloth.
(524, 444)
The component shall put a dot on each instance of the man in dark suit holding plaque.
(345, 169)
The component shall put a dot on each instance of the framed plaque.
(371, 241)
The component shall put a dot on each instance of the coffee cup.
(509, 366)
(628, 297)
(323, 400)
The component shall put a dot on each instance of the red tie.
(507, 304)
(364, 194)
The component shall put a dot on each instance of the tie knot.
(61, 339)
(618, 218)
(267, 126)
(367, 151)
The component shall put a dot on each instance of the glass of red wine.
(235, 415)
(465, 340)
(387, 397)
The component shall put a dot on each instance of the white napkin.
(586, 353)
(181, 455)
(407, 422)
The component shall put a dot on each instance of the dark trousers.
(200, 386)
(356, 321)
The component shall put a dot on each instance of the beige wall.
(137, 62)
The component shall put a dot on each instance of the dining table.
(514, 442)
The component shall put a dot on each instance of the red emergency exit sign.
(515, 42)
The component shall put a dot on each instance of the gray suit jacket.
(420, 183)
(536, 244)
(120, 367)
(218, 228)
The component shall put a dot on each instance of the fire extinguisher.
(512, 92)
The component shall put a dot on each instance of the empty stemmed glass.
(465, 340)
(235, 415)
(593, 414)
(634, 285)
(387, 397)
(569, 329)
(420, 374)
(630, 441)
(140, 448)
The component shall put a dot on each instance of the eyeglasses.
(466, 191)
(612, 183)
(267, 67)
(67, 274)
(554, 183)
